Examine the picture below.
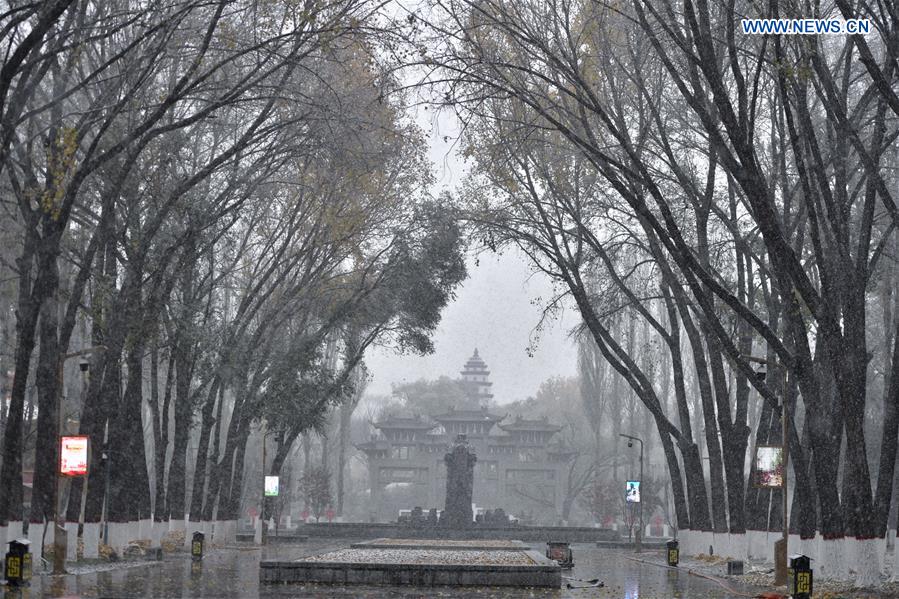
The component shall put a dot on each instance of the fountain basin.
(418, 567)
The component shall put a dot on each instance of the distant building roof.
(373, 445)
(522, 424)
(434, 440)
(455, 415)
(404, 422)
(501, 439)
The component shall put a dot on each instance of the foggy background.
(497, 310)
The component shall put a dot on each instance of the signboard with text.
(633, 491)
(769, 466)
(73, 457)
(271, 486)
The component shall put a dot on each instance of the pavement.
(233, 572)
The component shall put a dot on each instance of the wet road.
(234, 573)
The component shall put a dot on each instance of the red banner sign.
(73, 455)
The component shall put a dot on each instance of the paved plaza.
(233, 572)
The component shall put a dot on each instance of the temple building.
(520, 468)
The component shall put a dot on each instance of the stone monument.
(459, 481)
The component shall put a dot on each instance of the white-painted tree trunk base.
(691, 540)
(145, 529)
(175, 524)
(682, 539)
(881, 545)
(695, 542)
(218, 532)
(845, 562)
(257, 532)
(895, 573)
(736, 543)
(157, 531)
(134, 532)
(35, 537)
(687, 538)
(705, 540)
(866, 562)
(721, 544)
(756, 541)
(809, 548)
(71, 541)
(118, 536)
(739, 546)
(834, 562)
(91, 538)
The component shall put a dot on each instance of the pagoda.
(476, 379)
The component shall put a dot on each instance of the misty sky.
(495, 311)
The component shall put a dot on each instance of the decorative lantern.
(196, 546)
(18, 563)
(673, 553)
(800, 576)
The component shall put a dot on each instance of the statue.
(459, 481)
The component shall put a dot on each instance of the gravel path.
(423, 556)
(448, 543)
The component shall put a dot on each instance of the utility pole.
(780, 548)
(60, 540)
(263, 524)
(638, 538)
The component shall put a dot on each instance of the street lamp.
(263, 533)
(59, 534)
(638, 538)
(780, 557)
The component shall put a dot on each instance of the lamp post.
(263, 533)
(780, 557)
(106, 457)
(638, 538)
(59, 534)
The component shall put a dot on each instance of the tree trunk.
(161, 435)
(183, 416)
(129, 483)
(208, 498)
(888, 444)
(43, 496)
(346, 415)
(13, 435)
(199, 484)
